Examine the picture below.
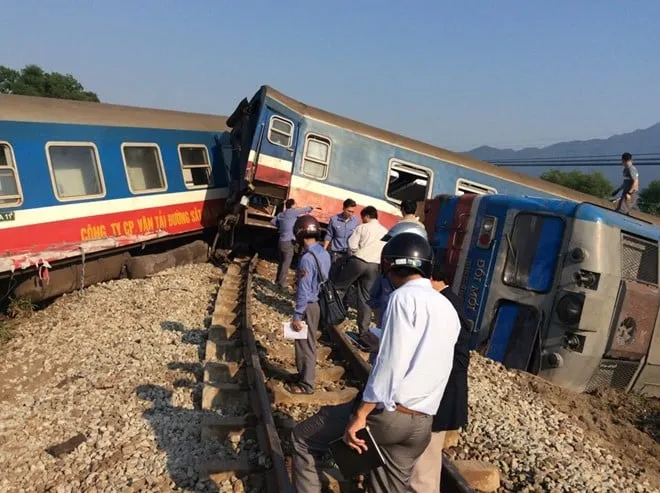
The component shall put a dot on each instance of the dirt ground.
(626, 422)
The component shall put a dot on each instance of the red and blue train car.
(569, 291)
(287, 149)
(80, 178)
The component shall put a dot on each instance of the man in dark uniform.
(284, 221)
(453, 411)
(340, 228)
(630, 187)
(314, 265)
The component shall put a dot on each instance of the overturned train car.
(565, 290)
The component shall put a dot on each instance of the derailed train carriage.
(565, 290)
(286, 149)
(84, 187)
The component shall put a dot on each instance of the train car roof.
(449, 156)
(50, 110)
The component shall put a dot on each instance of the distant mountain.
(640, 141)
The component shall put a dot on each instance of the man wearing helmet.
(382, 288)
(406, 384)
(314, 266)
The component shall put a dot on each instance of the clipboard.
(350, 462)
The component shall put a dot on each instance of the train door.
(521, 287)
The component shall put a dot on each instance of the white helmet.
(406, 227)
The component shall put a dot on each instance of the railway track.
(248, 406)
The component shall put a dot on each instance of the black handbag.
(333, 311)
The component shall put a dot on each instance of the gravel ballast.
(119, 365)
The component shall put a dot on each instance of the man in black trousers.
(453, 411)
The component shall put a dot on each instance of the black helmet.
(306, 227)
(408, 250)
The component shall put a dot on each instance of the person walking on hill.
(630, 186)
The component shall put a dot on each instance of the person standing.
(452, 413)
(630, 186)
(361, 268)
(313, 267)
(284, 222)
(340, 228)
(405, 386)
(408, 209)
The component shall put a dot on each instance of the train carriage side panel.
(378, 173)
(47, 228)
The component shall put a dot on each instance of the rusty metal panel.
(635, 314)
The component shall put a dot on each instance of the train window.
(408, 182)
(144, 167)
(10, 186)
(196, 165)
(465, 186)
(316, 158)
(280, 131)
(75, 170)
(533, 251)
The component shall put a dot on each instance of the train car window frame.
(515, 284)
(326, 140)
(411, 168)
(270, 129)
(475, 186)
(17, 199)
(161, 167)
(98, 167)
(191, 166)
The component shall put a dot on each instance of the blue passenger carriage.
(78, 179)
(284, 148)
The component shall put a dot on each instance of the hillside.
(637, 142)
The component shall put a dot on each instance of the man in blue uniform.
(405, 386)
(314, 266)
(630, 187)
(340, 228)
(284, 221)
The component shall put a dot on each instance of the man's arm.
(329, 234)
(635, 177)
(275, 220)
(304, 287)
(354, 239)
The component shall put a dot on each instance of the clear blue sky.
(457, 74)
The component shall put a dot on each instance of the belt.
(405, 410)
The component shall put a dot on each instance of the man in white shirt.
(361, 269)
(406, 384)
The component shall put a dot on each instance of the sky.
(457, 74)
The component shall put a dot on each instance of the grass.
(20, 307)
(6, 333)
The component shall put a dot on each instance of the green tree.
(592, 183)
(649, 198)
(32, 80)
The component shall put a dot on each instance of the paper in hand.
(290, 333)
